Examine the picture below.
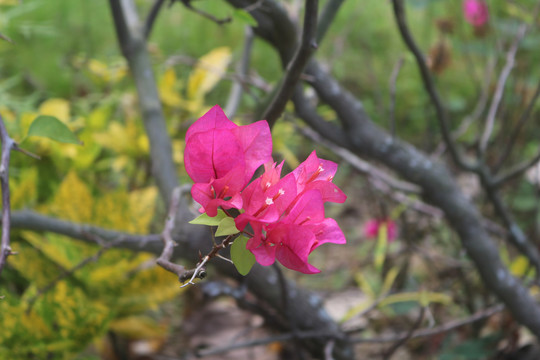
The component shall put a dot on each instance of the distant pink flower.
(371, 229)
(476, 12)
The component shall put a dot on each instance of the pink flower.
(221, 157)
(286, 214)
(372, 228)
(315, 173)
(296, 235)
(476, 12)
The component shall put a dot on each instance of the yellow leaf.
(58, 108)
(107, 73)
(421, 297)
(209, 70)
(73, 200)
(141, 205)
(519, 266)
(168, 85)
(24, 192)
(139, 327)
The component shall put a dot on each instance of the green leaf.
(245, 17)
(242, 258)
(52, 128)
(204, 219)
(424, 298)
(227, 227)
(380, 248)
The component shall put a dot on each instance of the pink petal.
(256, 141)
(214, 118)
(327, 231)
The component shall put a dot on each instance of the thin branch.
(241, 74)
(361, 165)
(516, 234)
(66, 273)
(164, 260)
(151, 18)
(388, 353)
(132, 41)
(522, 120)
(442, 116)
(317, 334)
(7, 145)
(296, 66)
(441, 329)
(499, 90)
(516, 171)
(477, 111)
(187, 4)
(392, 85)
(328, 15)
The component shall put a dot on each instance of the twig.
(132, 41)
(328, 349)
(187, 4)
(7, 145)
(451, 325)
(393, 81)
(318, 334)
(65, 274)
(442, 116)
(151, 18)
(388, 353)
(164, 260)
(522, 120)
(477, 111)
(499, 90)
(361, 165)
(327, 17)
(241, 74)
(296, 65)
(516, 170)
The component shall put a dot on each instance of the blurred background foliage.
(64, 61)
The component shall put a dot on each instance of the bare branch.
(241, 75)
(449, 326)
(442, 116)
(499, 90)
(132, 41)
(164, 260)
(8, 144)
(187, 4)
(522, 120)
(295, 67)
(516, 171)
(393, 81)
(151, 18)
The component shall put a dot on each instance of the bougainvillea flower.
(476, 12)
(315, 173)
(296, 235)
(267, 197)
(373, 226)
(224, 156)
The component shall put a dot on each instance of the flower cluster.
(286, 214)
(476, 12)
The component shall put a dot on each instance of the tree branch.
(442, 116)
(132, 41)
(295, 67)
(499, 89)
(8, 144)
